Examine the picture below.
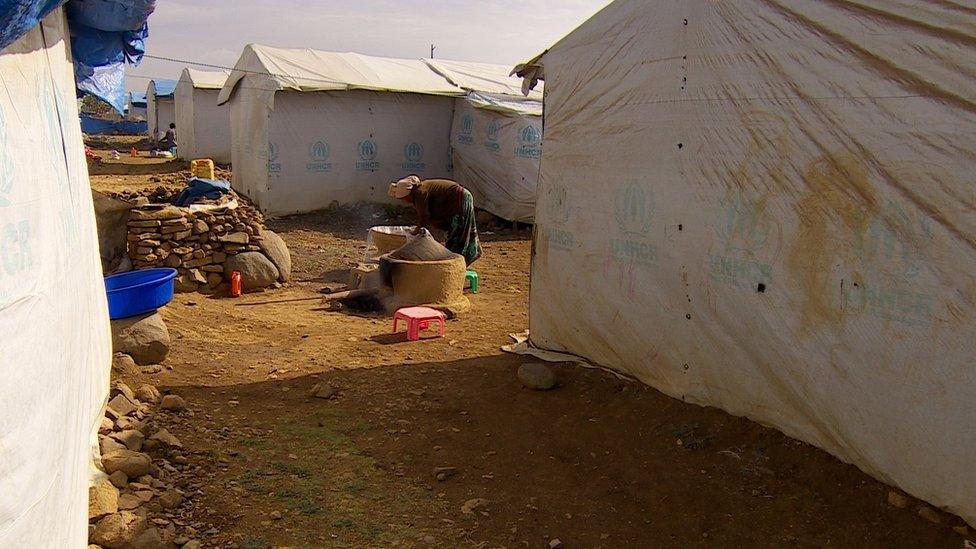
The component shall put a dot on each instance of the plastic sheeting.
(377, 120)
(135, 108)
(496, 154)
(107, 34)
(161, 107)
(56, 346)
(314, 149)
(481, 77)
(98, 126)
(272, 69)
(203, 126)
(17, 17)
(768, 206)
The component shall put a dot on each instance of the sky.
(490, 31)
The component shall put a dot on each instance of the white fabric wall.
(315, 140)
(55, 350)
(166, 115)
(151, 119)
(823, 151)
(496, 157)
(249, 112)
(202, 126)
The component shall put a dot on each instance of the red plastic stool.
(418, 318)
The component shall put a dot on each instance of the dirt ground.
(597, 462)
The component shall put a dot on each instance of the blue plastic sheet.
(107, 34)
(165, 89)
(138, 99)
(19, 16)
(97, 126)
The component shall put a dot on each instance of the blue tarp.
(165, 89)
(137, 99)
(19, 16)
(97, 126)
(105, 35)
(199, 188)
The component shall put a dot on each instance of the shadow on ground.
(597, 462)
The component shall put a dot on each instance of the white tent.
(160, 107)
(56, 345)
(135, 107)
(497, 144)
(310, 128)
(496, 137)
(768, 207)
(203, 126)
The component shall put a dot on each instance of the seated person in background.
(445, 205)
(169, 140)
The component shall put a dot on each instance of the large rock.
(144, 338)
(132, 439)
(184, 284)
(118, 530)
(148, 393)
(257, 271)
(536, 376)
(275, 248)
(133, 464)
(103, 499)
(123, 365)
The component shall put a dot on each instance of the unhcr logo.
(491, 136)
(413, 155)
(368, 151)
(530, 143)
(318, 155)
(466, 135)
(633, 209)
(273, 165)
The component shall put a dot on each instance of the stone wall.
(199, 243)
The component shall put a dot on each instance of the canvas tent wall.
(203, 126)
(55, 349)
(310, 128)
(160, 107)
(136, 106)
(497, 144)
(768, 207)
(496, 137)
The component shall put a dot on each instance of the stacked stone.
(144, 500)
(197, 244)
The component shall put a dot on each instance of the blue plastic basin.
(138, 292)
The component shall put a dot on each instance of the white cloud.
(495, 31)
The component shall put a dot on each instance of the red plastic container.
(236, 286)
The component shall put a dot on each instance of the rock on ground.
(896, 499)
(537, 376)
(275, 248)
(123, 365)
(118, 530)
(103, 499)
(257, 271)
(148, 539)
(132, 439)
(173, 403)
(144, 338)
(133, 464)
(166, 438)
(472, 504)
(119, 479)
(184, 284)
(148, 393)
(170, 499)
